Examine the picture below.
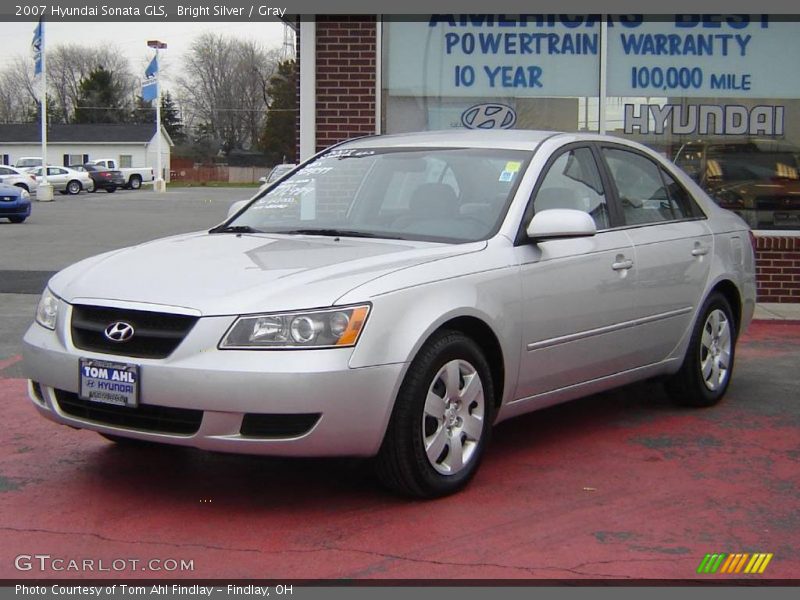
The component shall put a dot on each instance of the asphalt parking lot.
(618, 485)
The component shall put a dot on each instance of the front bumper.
(354, 404)
(15, 209)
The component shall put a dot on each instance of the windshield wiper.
(234, 229)
(339, 233)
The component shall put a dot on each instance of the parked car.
(276, 173)
(15, 203)
(132, 177)
(397, 296)
(65, 180)
(758, 179)
(26, 163)
(18, 177)
(102, 179)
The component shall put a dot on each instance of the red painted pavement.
(619, 485)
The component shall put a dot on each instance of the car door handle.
(700, 250)
(622, 264)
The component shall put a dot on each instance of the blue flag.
(150, 82)
(152, 68)
(37, 47)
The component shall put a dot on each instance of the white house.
(131, 144)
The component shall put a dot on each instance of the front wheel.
(17, 219)
(442, 419)
(111, 189)
(706, 370)
(74, 187)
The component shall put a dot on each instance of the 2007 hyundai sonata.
(396, 296)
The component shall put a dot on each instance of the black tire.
(17, 219)
(402, 463)
(23, 186)
(111, 189)
(135, 182)
(691, 386)
(74, 187)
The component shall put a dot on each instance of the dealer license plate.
(109, 382)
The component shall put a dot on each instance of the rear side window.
(681, 203)
(573, 181)
(642, 190)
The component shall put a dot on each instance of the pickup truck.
(134, 177)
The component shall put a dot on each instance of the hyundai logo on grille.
(119, 331)
(489, 116)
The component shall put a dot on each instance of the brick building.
(714, 113)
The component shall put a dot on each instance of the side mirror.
(558, 223)
(236, 207)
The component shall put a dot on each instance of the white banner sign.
(711, 56)
(494, 56)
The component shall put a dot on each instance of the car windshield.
(433, 194)
(28, 162)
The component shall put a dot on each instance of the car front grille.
(156, 335)
(276, 425)
(157, 419)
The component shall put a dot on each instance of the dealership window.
(705, 91)
(490, 71)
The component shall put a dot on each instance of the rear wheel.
(708, 365)
(74, 187)
(111, 189)
(442, 419)
(135, 182)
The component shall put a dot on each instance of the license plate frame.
(109, 382)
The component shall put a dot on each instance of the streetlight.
(158, 184)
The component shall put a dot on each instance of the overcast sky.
(131, 38)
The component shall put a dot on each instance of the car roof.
(512, 139)
(509, 139)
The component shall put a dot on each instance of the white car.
(396, 296)
(65, 180)
(18, 177)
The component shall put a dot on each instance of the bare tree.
(221, 89)
(70, 64)
(17, 99)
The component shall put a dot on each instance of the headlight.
(25, 194)
(47, 311)
(328, 328)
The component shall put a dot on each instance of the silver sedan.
(65, 180)
(397, 296)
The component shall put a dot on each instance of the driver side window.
(573, 181)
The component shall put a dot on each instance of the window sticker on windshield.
(507, 176)
(512, 166)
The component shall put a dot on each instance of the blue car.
(15, 203)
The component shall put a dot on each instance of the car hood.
(223, 274)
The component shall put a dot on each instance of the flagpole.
(158, 183)
(44, 192)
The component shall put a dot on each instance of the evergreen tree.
(100, 99)
(277, 140)
(171, 118)
(144, 112)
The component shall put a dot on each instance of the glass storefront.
(717, 94)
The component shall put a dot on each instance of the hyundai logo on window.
(490, 115)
